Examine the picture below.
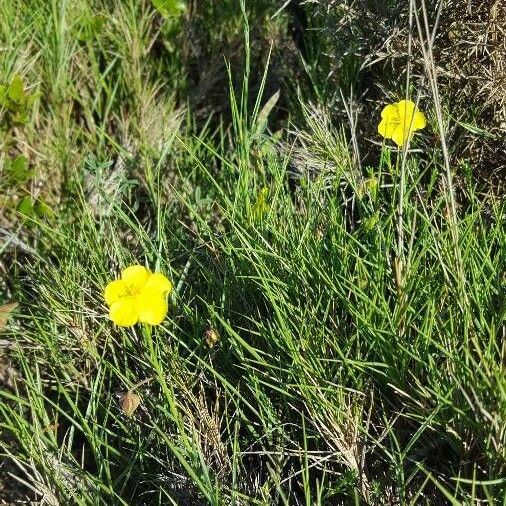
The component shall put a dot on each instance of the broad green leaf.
(18, 170)
(25, 206)
(15, 92)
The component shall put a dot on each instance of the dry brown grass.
(472, 51)
(470, 58)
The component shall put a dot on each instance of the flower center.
(132, 290)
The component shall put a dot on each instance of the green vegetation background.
(355, 291)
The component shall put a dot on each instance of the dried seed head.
(129, 402)
(5, 312)
(211, 337)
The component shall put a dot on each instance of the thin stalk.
(426, 43)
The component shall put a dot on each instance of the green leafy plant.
(17, 170)
(15, 103)
(29, 207)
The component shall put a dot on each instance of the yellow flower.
(139, 296)
(400, 120)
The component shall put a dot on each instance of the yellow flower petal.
(157, 281)
(386, 128)
(135, 276)
(419, 121)
(152, 307)
(390, 112)
(406, 109)
(114, 290)
(400, 135)
(124, 312)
